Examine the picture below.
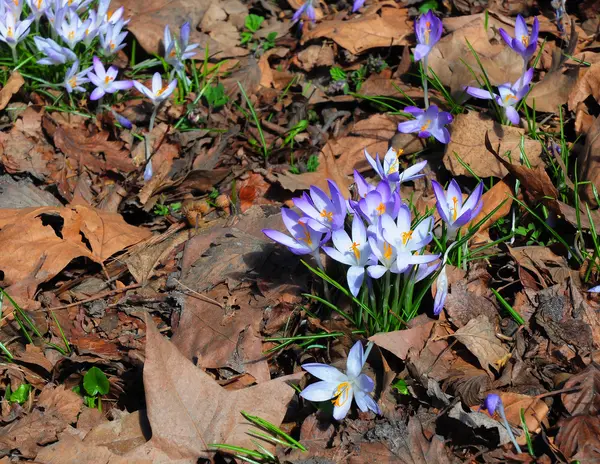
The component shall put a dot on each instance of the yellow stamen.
(510, 96)
(71, 35)
(425, 126)
(112, 46)
(39, 4)
(399, 152)
(73, 81)
(427, 32)
(406, 236)
(16, 2)
(108, 79)
(306, 238)
(380, 209)
(9, 32)
(454, 209)
(161, 91)
(341, 394)
(387, 250)
(355, 250)
(525, 40)
(324, 214)
(173, 53)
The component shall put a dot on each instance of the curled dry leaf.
(468, 136)
(500, 197)
(587, 85)
(585, 397)
(534, 410)
(479, 336)
(400, 341)
(380, 25)
(13, 85)
(188, 411)
(588, 162)
(579, 437)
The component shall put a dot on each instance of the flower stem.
(508, 428)
(424, 72)
(317, 258)
(14, 54)
(386, 300)
(147, 137)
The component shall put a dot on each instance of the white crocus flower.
(342, 388)
(158, 93)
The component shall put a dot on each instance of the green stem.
(385, 303)
(424, 72)
(14, 54)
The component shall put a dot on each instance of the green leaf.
(337, 74)
(401, 387)
(89, 401)
(246, 37)
(215, 95)
(428, 5)
(271, 36)
(20, 395)
(312, 164)
(253, 22)
(95, 382)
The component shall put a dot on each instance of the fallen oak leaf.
(197, 411)
(583, 392)
(579, 436)
(13, 85)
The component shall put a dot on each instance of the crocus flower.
(385, 253)
(493, 403)
(308, 9)
(509, 95)
(422, 271)
(427, 122)
(323, 213)
(158, 93)
(13, 31)
(378, 201)
(595, 289)
(357, 5)
(104, 80)
(342, 388)
(70, 27)
(55, 54)
(303, 240)
(362, 186)
(441, 284)
(523, 43)
(177, 51)
(15, 7)
(126, 123)
(112, 40)
(355, 252)
(389, 169)
(428, 29)
(38, 8)
(451, 208)
(75, 78)
(407, 242)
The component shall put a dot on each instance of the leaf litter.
(169, 288)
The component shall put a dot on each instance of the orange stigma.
(525, 40)
(406, 236)
(387, 250)
(380, 209)
(9, 32)
(306, 238)
(324, 214)
(427, 32)
(454, 208)
(425, 126)
(341, 394)
(354, 249)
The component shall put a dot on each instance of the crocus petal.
(319, 391)
(412, 172)
(280, 237)
(595, 289)
(355, 277)
(365, 402)
(421, 51)
(441, 134)
(375, 272)
(339, 412)
(408, 127)
(525, 79)
(535, 30)
(337, 256)
(156, 82)
(365, 383)
(414, 110)
(99, 68)
(512, 115)
(441, 202)
(119, 85)
(341, 240)
(325, 372)
(521, 28)
(97, 93)
(355, 361)
(454, 195)
(507, 38)
(474, 198)
(441, 292)
(479, 93)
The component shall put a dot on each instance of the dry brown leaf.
(448, 57)
(585, 399)
(479, 336)
(588, 84)
(499, 196)
(197, 412)
(213, 23)
(579, 438)
(468, 137)
(534, 410)
(552, 91)
(380, 25)
(32, 247)
(462, 305)
(56, 408)
(316, 55)
(588, 162)
(400, 342)
(80, 147)
(13, 85)
(467, 381)
(25, 149)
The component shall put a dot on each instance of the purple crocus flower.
(126, 123)
(378, 201)
(428, 29)
(179, 50)
(493, 403)
(303, 241)
(389, 169)
(12, 30)
(523, 43)
(422, 271)
(509, 95)
(157, 93)
(595, 289)
(441, 293)
(427, 122)
(308, 9)
(408, 242)
(362, 186)
(323, 213)
(343, 388)
(357, 5)
(55, 54)
(385, 252)
(104, 80)
(75, 78)
(355, 252)
(451, 208)
(113, 39)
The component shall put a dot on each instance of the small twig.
(200, 295)
(96, 297)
